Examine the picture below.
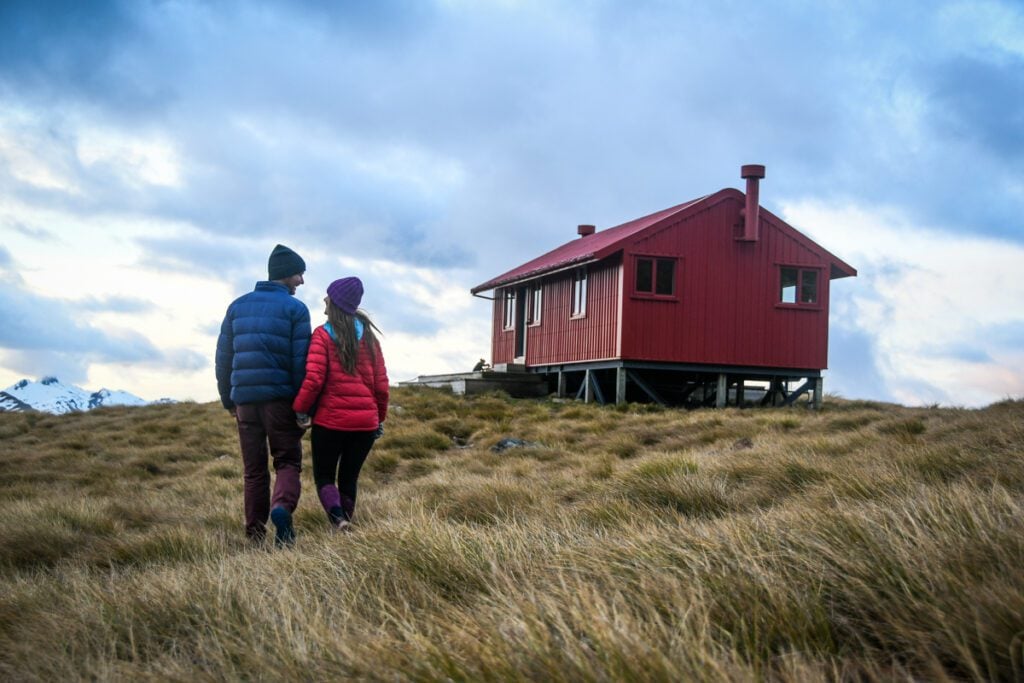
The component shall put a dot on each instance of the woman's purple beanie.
(346, 294)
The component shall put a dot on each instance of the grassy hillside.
(862, 542)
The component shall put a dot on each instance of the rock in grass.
(506, 444)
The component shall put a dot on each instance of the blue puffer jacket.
(261, 351)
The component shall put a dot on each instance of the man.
(261, 360)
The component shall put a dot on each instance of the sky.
(152, 153)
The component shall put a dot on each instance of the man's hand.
(234, 412)
(303, 420)
(380, 431)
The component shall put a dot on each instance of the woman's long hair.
(345, 341)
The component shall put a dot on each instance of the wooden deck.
(516, 384)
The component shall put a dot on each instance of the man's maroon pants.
(270, 422)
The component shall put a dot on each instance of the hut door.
(520, 355)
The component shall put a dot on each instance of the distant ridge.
(50, 395)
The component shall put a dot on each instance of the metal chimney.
(752, 173)
(585, 230)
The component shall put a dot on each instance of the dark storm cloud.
(51, 50)
(53, 43)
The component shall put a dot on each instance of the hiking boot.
(338, 519)
(284, 537)
(335, 515)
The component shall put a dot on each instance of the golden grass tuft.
(865, 542)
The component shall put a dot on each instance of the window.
(579, 292)
(798, 286)
(510, 309)
(656, 276)
(533, 315)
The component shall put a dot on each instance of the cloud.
(942, 314)
(185, 360)
(1005, 335)
(43, 335)
(43, 324)
(853, 366)
(54, 51)
(112, 304)
(38, 234)
(404, 130)
(980, 101)
(199, 252)
(401, 299)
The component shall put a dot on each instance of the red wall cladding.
(560, 338)
(726, 311)
(502, 341)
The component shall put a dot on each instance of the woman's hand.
(303, 420)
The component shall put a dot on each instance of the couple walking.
(277, 379)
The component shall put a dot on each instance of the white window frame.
(509, 309)
(579, 293)
(536, 302)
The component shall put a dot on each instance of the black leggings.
(340, 454)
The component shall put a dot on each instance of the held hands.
(303, 420)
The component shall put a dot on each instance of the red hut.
(695, 303)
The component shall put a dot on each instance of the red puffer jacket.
(351, 403)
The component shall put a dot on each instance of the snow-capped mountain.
(106, 397)
(49, 395)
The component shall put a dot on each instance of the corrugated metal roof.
(583, 249)
(606, 242)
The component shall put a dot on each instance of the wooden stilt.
(722, 395)
(620, 385)
(596, 388)
(800, 391)
(561, 384)
(651, 393)
(588, 393)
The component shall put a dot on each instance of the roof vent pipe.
(585, 230)
(752, 173)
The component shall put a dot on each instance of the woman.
(347, 383)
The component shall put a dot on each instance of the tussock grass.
(864, 542)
